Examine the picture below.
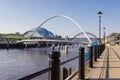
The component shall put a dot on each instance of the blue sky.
(23, 15)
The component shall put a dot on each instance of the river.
(17, 63)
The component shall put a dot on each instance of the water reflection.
(16, 63)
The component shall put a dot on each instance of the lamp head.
(100, 13)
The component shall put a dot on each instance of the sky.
(23, 15)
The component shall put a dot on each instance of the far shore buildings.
(114, 39)
(41, 33)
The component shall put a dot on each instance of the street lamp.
(99, 14)
(104, 34)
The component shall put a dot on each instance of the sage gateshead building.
(40, 33)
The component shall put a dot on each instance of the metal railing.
(36, 74)
(54, 64)
(54, 68)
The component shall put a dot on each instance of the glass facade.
(40, 33)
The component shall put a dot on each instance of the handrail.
(62, 63)
(54, 56)
(31, 76)
(72, 75)
(36, 74)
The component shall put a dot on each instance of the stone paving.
(107, 66)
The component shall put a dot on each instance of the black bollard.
(53, 48)
(81, 63)
(95, 53)
(55, 64)
(91, 57)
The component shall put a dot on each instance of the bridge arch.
(67, 17)
(82, 34)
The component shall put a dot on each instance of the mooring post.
(58, 47)
(53, 48)
(55, 64)
(81, 63)
(66, 49)
(91, 57)
(8, 45)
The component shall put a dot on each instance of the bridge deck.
(107, 66)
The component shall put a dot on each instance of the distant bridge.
(82, 34)
(33, 41)
(49, 41)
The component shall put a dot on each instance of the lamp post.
(99, 14)
(104, 34)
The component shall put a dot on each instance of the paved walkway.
(107, 66)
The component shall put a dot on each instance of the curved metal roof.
(41, 32)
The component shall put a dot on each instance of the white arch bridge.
(29, 40)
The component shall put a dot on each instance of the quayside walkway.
(103, 64)
(107, 66)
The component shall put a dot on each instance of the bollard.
(61, 47)
(26, 45)
(81, 63)
(55, 64)
(66, 49)
(95, 53)
(8, 45)
(91, 57)
(58, 47)
(53, 48)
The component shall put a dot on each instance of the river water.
(17, 63)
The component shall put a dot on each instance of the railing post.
(66, 72)
(81, 63)
(98, 51)
(91, 57)
(101, 49)
(55, 64)
(95, 53)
